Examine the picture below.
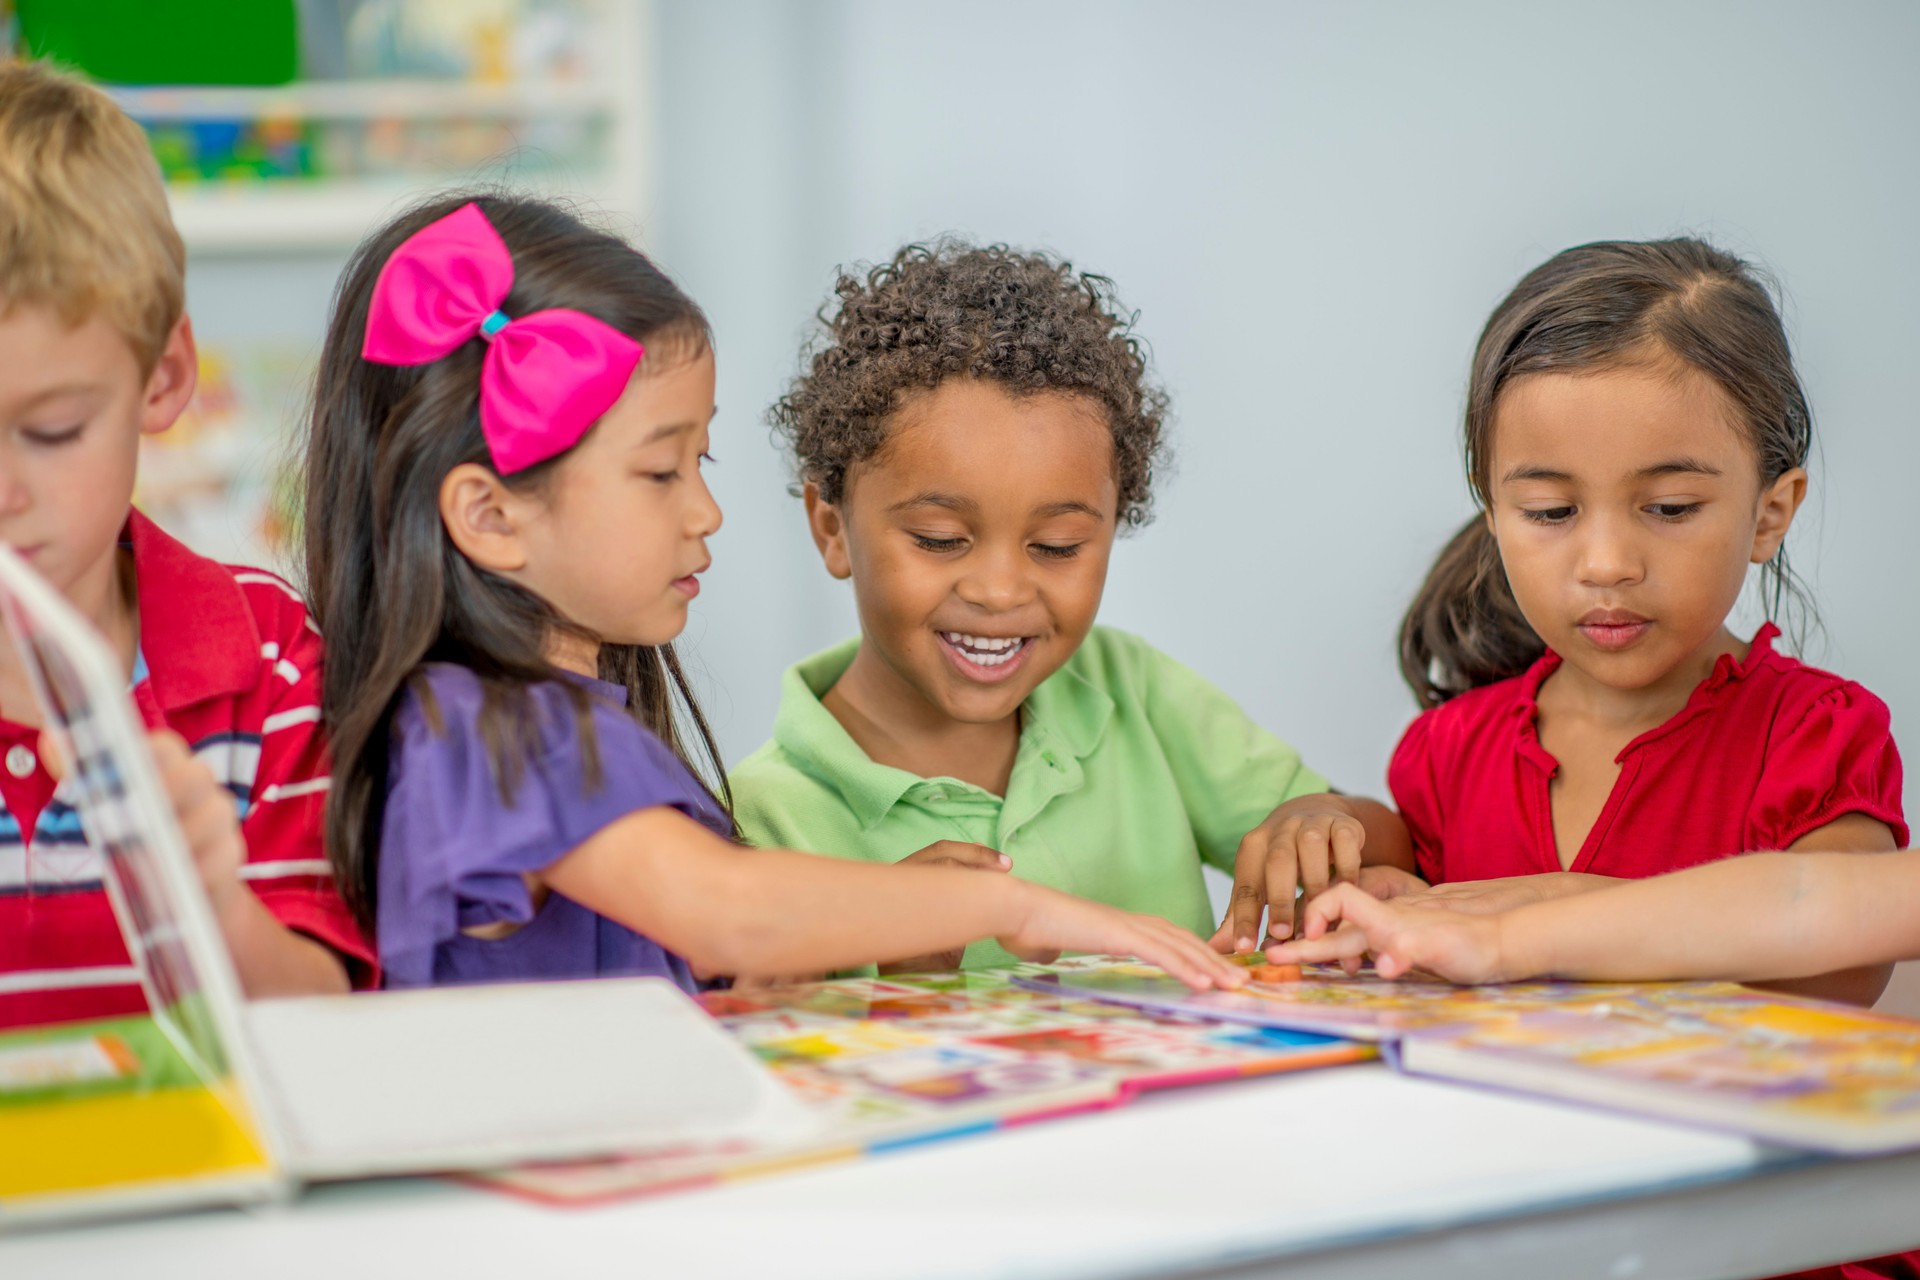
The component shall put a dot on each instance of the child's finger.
(1341, 944)
(1312, 848)
(1249, 899)
(1283, 873)
(962, 853)
(1185, 957)
(1349, 838)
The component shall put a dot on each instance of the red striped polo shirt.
(230, 662)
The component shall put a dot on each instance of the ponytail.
(1464, 628)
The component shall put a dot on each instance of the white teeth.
(985, 651)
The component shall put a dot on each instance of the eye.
(55, 435)
(1057, 551)
(938, 544)
(1548, 515)
(1673, 512)
(705, 456)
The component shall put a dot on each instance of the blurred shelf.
(318, 214)
(369, 100)
(294, 214)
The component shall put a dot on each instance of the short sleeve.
(1416, 793)
(287, 865)
(1231, 773)
(456, 854)
(1839, 758)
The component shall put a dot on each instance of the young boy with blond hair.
(95, 352)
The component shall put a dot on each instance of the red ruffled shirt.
(1766, 750)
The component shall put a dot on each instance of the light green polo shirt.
(1131, 770)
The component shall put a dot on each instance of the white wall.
(1313, 207)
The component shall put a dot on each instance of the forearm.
(734, 910)
(1388, 842)
(1862, 985)
(1747, 918)
(273, 960)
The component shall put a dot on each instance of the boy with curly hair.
(976, 428)
(95, 352)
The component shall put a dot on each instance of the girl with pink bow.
(505, 522)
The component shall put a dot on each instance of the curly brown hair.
(1028, 321)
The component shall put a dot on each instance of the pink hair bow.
(547, 377)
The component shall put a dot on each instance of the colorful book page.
(1325, 999)
(111, 1105)
(1779, 1068)
(898, 1061)
(1797, 1072)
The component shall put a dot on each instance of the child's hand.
(203, 808)
(1386, 883)
(1346, 925)
(1055, 922)
(1474, 897)
(205, 812)
(958, 853)
(1307, 842)
(953, 853)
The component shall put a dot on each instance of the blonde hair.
(84, 226)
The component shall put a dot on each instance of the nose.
(1610, 553)
(14, 494)
(996, 578)
(703, 513)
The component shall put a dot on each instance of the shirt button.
(936, 795)
(21, 762)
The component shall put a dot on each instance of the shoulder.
(279, 615)
(1790, 693)
(1120, 663)
(1467, 716)
(777, 800)
(769, 767)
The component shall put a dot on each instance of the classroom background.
(1312, 206)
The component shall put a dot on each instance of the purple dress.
(453, 855)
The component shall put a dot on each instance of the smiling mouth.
(984, 658)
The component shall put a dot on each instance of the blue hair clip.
(494, 323)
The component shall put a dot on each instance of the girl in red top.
(1636, 437)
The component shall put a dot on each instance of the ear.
(829, 528)
(171, 384)
(1778, 503)
(485, 519)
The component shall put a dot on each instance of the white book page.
(463, 1077)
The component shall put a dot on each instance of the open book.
(891, 1062)
(208, 1099)
(1804, 1073)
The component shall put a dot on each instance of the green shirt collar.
(1066, 712)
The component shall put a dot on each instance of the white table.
(1341, 1173)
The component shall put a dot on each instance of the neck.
(1638, 709)
(574, 653)
(898, 727)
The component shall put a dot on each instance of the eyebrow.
(60, 392)
(1069, 508)
(935, 498)
(967, 506)
(1535, 473)
(661, 433)
(1682, 466)
(1679, 467)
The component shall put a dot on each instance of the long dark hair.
(387, 587)
(1589, 307)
